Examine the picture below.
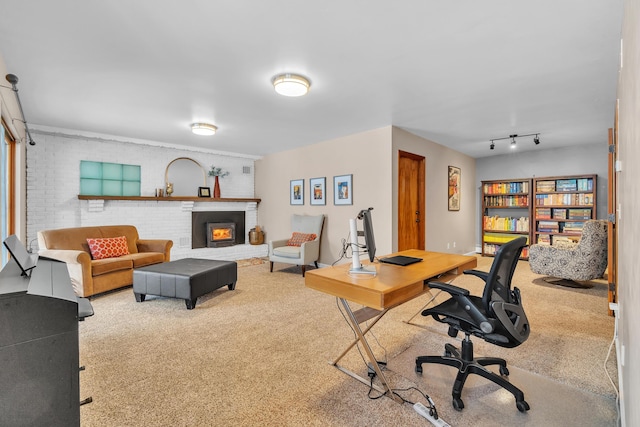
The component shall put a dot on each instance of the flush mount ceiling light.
(536, 140)
(291, 85)
(203, 129)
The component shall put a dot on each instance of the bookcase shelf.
(506, 213)
(561, 206)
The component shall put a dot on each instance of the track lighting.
(536, 140)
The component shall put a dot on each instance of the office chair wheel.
(522, 406)
(504, 371)
(458, 405)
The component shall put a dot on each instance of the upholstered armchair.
(586, 260)
(303, 247)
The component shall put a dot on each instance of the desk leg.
(433, 297)
(374, 363)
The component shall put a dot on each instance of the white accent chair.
(305, 254)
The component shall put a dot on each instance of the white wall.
(53, 180)
(628, 215)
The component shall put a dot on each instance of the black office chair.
(497, 317)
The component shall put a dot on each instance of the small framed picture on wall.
(297, 191)
(454, 188)
(343, 190)
(318, 191)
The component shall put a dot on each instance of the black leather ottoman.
(187, 279)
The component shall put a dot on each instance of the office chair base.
(465, 362)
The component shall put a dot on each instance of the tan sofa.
(91, 277)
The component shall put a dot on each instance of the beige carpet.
(259, 355)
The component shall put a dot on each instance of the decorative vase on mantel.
(216, 188)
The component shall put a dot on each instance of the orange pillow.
(108, 247)
(299, 238)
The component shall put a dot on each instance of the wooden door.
(411, 201)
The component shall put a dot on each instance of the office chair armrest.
(461, 295)
(480, 274)
(448, 288)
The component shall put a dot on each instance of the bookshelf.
(506, 213)
(562, 204)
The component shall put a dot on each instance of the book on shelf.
(573, 228)
(544, 239)
(580, 213)
(566, 185)
(560, 214)
(545, 186)
(506, 187)
(543, 213)
(576, 199)
(585, 184)
(497, 223)
(568, 240)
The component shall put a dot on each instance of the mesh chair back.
(498, 286)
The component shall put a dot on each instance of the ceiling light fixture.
(291, 85)
(536, 139)
(203, 129)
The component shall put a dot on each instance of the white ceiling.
(456, 72)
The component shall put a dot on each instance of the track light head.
(12, 78)
(536, 140)
(493, 145)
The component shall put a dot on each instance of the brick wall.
(53, 184)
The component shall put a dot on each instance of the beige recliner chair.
(303, 247)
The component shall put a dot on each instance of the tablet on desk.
(400, 260)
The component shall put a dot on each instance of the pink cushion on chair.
(299, 238)
(108, 247)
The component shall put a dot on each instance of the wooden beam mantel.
(168, 199)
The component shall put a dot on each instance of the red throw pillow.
(108, 247)
(299, 238)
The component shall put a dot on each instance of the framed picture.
(204, 192)
(343, 190)
(318, 191)
(454, 188)
(297, 191)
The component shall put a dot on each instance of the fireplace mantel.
(168, 199)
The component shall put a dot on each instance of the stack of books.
(545, 186)
(574, 228)
(582, 213)
(566, 185)
(548, 226)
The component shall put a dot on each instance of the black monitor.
(24, 259)
(367, 230)
(369, 242)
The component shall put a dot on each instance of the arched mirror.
(186, 175)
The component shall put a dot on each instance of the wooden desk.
(391, 286)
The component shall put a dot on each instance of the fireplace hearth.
(229, 228)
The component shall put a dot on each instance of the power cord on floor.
(606, 359)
